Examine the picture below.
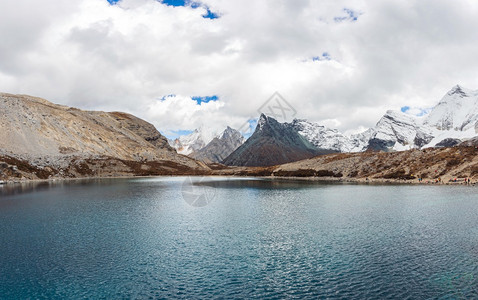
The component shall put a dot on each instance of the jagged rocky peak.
(460, 91)
(230, 133)
(269, 126)
(272, 143)
(263, 119)
(220, 147)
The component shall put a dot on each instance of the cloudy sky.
(214, 63)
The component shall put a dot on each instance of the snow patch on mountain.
(323, 137)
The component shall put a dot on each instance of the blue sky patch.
(193, 4)
(415, 111)
(166, 97)
(210, 15)
(175, 134)
(113, 2)
(351, 16)
(175, 2)
(252, 127)
(248, 128)
(205, 99)
(324, 56)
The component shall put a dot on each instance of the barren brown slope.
(46, 134)
(429, 163)
(433, 163)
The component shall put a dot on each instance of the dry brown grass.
(25, 166)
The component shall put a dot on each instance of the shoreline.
(362, 181)
(373, 180)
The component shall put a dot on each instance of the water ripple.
(139, 239)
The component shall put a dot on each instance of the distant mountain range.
(454, 117)
(206, 146)
(220, 147)
(40, 140)
(453, 120)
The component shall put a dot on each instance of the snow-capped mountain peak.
(230, 133)
(220, 147)
(461, 92)
(187, 144)
(457, 110)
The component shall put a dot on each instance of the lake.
(237, 238)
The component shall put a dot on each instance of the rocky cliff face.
(44, 134)
(220, 147)
(272, 143)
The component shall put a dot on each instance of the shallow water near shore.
(237, 238)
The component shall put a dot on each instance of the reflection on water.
(37, 186)
(263, 183)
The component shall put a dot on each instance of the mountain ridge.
(453, 120)
(42, 134)
(220, 147)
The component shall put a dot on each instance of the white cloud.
(90, 54)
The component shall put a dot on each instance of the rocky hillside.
(45, 135)
(220, 147)
(407, 166)
(272, 143)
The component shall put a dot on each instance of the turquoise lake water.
(237, 238)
